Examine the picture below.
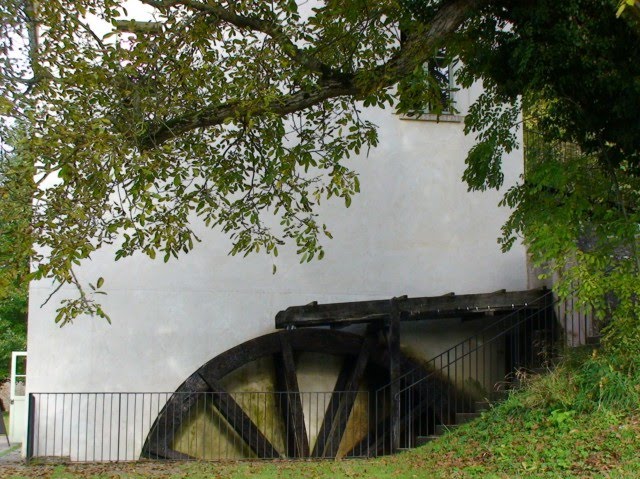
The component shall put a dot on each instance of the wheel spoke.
(240, 422)
(342, 401)
(160, 439)
(291, 401)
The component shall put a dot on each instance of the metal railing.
(91, 427)
(482, 367)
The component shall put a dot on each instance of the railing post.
(119, 426)
(369, 423)
(31, 408)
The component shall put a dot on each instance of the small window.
(441, 72)
(440, 68)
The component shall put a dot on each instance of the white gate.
(17, 411)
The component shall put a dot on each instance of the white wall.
(414, 230)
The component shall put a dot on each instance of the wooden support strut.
(393, 339)
(435, 393)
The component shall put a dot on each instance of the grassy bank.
(581, 421)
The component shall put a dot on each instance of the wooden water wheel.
(280, 420)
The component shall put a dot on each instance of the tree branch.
(419, 48)
(269, 28)
(133, 26)
(413, 53)
(158, 133)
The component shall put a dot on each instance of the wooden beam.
(242, 424)
(446, 306)
(379, 444)
(393, 340)
(291, 401)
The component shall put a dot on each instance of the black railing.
(90, 427)
(483, 367)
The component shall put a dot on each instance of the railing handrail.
(493, 325)
(464, 355)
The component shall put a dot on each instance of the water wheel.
(251, 401)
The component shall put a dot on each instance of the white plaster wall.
(414, 230)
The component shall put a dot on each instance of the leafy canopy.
(16, 190)
(229, 111)
(235, 111)
(572, 67)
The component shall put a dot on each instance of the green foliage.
(579, 221)
(492, 121)
(577, 421)
(13, 329)
(16, 188)
(608, 383)
(243, 115)
(586, 383)
(577, 208)
(630, 10)
(574, 57)
(238, 115)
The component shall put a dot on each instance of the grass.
(581, 421)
